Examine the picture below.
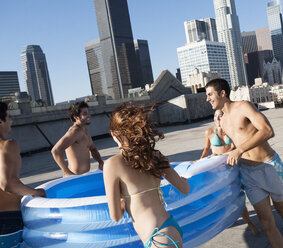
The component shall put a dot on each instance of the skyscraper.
(249, 42)
(9, 83)
(203, 29)
(276, 2)
(254, 64)
(117, 46)
(276, 28)
(202, 51)
(206, 56)
(228, 30)
(36, 74)
(143, 62)
(263, 39)
(255, 52)
(96, 67)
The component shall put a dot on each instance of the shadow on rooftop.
(33, 185)
(260, 240)
(181, 126)
(185, 156)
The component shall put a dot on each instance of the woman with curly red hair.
(132, 178)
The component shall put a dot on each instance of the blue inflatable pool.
(11, 240)
(75, 212)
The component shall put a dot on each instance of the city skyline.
(62, 33)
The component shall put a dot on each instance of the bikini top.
(160, 193)
(215, 141)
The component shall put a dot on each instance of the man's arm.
(10, 168)
(96, 155)
(264, 132)
(59, 149)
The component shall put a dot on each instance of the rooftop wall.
(42, 127)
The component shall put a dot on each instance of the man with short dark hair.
(11, 187)
(249, 129)
(77, 142)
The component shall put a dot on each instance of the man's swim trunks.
(10, 221)
(263, 180)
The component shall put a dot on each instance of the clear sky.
(62, 27)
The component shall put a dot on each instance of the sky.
(62, 27)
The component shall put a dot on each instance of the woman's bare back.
(146, 208)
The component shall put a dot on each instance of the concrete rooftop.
(182, 143)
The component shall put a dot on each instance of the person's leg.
(246, 218)
(279, 207)
(266, 218)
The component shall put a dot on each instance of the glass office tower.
(36, 74)
(117, 46)
(9, 83)
(274, 17)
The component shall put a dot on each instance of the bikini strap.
(159, 191)
(142, 192)
(156, 232)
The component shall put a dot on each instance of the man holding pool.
(11, 187)
(249, 129)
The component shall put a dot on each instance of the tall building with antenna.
(228, 30)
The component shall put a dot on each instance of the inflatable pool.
(11, 240)
(75, 212)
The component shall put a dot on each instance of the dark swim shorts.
(10, 221)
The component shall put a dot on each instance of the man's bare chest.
(84, 140)
(233, 125)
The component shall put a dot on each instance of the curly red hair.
(135, 131)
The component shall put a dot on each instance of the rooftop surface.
(182, 143)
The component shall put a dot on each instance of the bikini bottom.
(156, 231)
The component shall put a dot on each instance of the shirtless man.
(77, 142)
(11, 188)
(249, 129)
(220, 143)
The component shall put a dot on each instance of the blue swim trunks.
(263, 180)
(278, 165)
